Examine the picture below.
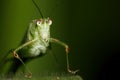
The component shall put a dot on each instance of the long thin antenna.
(37, 8)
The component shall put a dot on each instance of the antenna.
(37, 8)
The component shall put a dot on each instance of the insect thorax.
(40, 30)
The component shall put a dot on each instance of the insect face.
(43, 26)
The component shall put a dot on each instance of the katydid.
(36, 42)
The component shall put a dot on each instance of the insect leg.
(67, 51)
(17, 56)
(25, 44)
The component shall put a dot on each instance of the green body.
(36, 43)
(37, 38)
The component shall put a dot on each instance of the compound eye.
(49, 21)
(39, 22)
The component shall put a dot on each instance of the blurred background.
(89, 27)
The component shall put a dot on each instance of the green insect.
(36, 42)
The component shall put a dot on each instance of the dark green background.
(89, 27)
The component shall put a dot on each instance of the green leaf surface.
(45, 77)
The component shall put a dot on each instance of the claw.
(28, 75)
(73, 72)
